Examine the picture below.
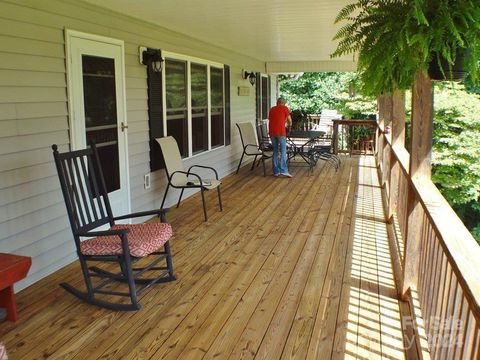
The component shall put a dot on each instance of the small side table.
(367, 145)
(13, 268)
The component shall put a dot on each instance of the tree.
(456, 143)
(456, 151)
(313, 92)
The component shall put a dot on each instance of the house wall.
(34, 115)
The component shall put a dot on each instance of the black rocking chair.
(88, 208)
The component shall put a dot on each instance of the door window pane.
(217, 106)
(176, 96)
(199, 93)
(100, 107)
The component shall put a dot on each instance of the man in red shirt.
(278, 119)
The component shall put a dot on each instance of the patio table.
(301, 143)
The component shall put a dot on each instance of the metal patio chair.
(322, 150)
(98, 238)
(178, 178)
(252, 146)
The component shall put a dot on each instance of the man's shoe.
(288, 175)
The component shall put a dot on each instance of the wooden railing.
(353, 135)
(438, 257)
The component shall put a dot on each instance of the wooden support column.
(387, 121)
(398, 141)
(420, 168)
(379, 139)
(398, 118)
(381, 108)
(387, 111)
(422, 127)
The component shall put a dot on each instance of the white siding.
(34, 115)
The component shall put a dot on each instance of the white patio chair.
(252, 147)
(178, 178)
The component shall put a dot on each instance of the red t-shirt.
(276, 120)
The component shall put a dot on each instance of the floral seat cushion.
(143, 239)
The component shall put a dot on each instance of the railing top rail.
(356, 122)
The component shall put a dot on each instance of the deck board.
(292, 268)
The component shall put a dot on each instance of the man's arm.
(288, 122)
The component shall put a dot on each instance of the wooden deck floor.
(292, 268)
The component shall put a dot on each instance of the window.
(176, 97)
(101, 114)
(263, 97)
(194, 104)
(199, 90)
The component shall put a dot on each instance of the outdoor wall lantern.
(151, 57)
(250, 76)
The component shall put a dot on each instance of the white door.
(96, 83)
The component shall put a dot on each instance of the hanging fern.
(394, 39)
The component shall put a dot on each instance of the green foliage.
(456, 151)
(313, 92)
(356, 107)
(476, 233)
(299, 118)
(395, 39)
(456, 138)
(470, 86)
(456, 143)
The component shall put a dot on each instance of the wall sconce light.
(151, 57)
(250, 76)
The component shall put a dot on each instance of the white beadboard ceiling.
(285, 34)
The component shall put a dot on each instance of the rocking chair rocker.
(88, 208)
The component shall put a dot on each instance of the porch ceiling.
(287, 34)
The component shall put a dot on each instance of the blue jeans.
(279, 159)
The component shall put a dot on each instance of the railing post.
(398, 140)
(335, 137)
(420, 168)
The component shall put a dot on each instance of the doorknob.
(123, 126)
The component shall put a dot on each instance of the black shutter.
(155, 117)
(226, 79)
(258, 97)
(269, 97)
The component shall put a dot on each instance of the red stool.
(12, 269)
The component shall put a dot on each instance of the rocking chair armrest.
(118, 232)
(159, 212)
(203, 167)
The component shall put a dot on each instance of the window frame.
(259, 97)
(209, 64)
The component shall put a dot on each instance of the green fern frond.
(346, 11)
